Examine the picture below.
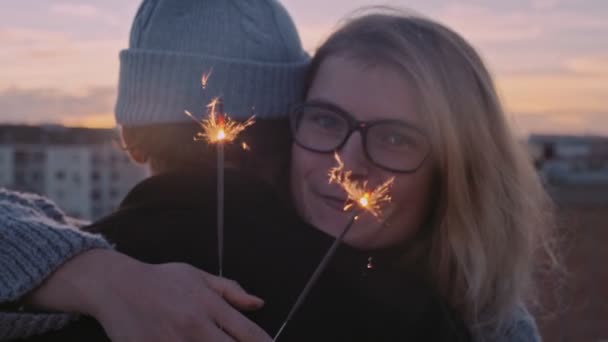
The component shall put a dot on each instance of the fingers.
(237, 325)
(234, 294)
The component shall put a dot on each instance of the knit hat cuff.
(156, 87)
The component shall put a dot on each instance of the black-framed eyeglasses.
(393, 145)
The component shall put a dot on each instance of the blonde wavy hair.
(493, 225)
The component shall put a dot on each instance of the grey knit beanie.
(252, 47)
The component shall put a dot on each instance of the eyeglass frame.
(353, 126)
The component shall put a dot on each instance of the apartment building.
(83, 170)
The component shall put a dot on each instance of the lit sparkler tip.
(221, 135)
(218, 127)
(357, 192)
(364, 201)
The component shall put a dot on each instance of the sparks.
(219, 128)
(358, 192)
(205, 78)
(245, 146)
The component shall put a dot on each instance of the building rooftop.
(55, 134)
(544, 138)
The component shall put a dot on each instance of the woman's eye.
(395, 139)
(325, 121)
(398, 140)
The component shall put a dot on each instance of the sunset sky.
(59, 59)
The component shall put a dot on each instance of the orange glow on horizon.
(90, 121)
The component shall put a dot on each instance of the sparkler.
(366, 201)
(219, 129)
(357, 192)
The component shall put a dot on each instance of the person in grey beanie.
(252, 52)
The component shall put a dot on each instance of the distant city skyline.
(59, 59)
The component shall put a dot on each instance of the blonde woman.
(405, 97)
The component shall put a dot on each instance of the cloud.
(562, 122)
(20, 36)
(76, 10)
(545, 4)
(51, 105)
(592, 65)
(540, 93)
(52, 59)
(84, 11)
(484, 24)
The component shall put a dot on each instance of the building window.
(113, 193)
(96, 159)
(36, 176)
(19, 177)
(97, 212)
(96, 195)
(115, 176)
(95, 176)
(60, 175)
(20, 156)
(38, 156)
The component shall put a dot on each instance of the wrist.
(84, 284)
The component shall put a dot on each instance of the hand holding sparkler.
(219, 129)
(358, 194)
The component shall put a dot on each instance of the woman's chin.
(360, 235)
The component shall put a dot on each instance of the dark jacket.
(272, 253)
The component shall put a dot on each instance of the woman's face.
(366, 94)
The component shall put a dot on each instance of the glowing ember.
(205, 78)
(364, 201)
(358, 192)
(245, 146)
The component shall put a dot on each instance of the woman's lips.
(334, 202)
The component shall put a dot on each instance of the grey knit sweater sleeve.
(36, 238)
(521, 328)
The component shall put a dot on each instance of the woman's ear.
(131, 146)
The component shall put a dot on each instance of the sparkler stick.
(219, 129)
(220, 207)
(365, 200)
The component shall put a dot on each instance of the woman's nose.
(352, 154)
